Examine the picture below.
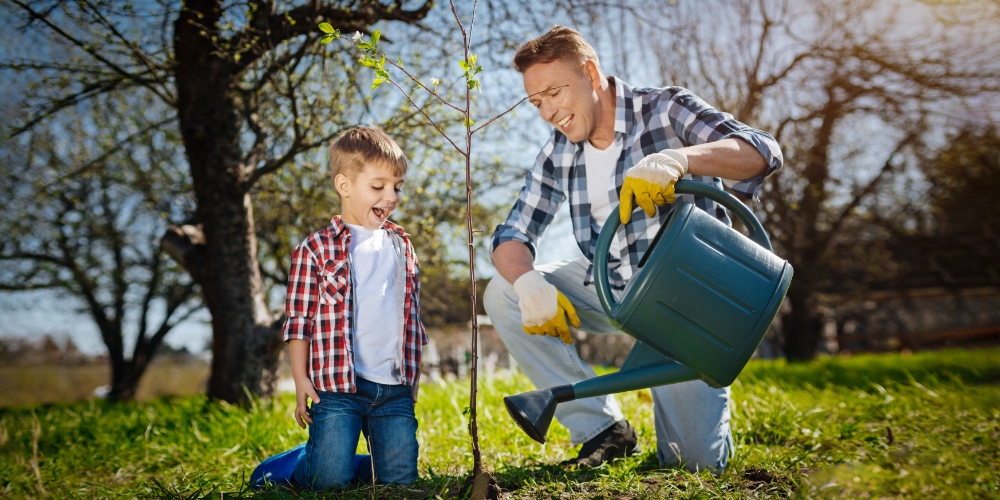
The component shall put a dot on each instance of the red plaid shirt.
(320, 307)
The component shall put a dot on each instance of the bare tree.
(82, 214)
(848, 88)
(219, 67)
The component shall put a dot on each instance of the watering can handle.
(721, 197)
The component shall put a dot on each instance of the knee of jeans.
(498, 295)
(693, 460)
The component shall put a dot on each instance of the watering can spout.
(533, 411)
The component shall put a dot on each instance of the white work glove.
(652, 182)
(543, 308)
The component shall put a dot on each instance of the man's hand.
(651, 181)
(543, 308)
(303, 389)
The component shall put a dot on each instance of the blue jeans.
(691, 419)
(384, 414)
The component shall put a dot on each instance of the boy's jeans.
(691, 418)
(384, 413)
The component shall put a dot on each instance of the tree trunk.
(801, 326)
(124, 380)
(245, 347)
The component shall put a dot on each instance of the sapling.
(372, 57)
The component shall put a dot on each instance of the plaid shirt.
(646, 121)
(320, 306)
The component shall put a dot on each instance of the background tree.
(848, 89)
(84, 203)
(218, 66)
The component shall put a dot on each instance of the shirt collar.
(623, 93)
(337, 225)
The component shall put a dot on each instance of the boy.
(353, 326)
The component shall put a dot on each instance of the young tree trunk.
(244, 346)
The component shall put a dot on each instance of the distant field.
(872, 426)
(28, 385)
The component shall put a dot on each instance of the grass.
(879, 426)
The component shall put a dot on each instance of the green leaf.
(399, 61)
(326, 28)
(375, 36)
(326, 39)
(464, 65)
(376, 82)
(469, 122)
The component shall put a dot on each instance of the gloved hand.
(652, 182)
(543, 308)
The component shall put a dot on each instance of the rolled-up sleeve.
(536, 204)
(303, 295)
(695, 122)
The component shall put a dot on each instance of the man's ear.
(593, 73)
(342, 184)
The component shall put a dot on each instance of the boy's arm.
(300, 308)
(303, 384)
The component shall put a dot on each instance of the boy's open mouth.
(381, 213)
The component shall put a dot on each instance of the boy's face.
(369, 198)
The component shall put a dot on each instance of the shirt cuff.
(769, 150)
(297, 328)
(506, 233)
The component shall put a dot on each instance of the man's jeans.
(384, 413)
(691, 418)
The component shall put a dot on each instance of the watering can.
(698, 307)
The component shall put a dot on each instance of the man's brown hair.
(352, 150)
(558, 44)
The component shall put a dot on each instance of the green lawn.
(887, 426)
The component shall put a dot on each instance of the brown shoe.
(616, 441)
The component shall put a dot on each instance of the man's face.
(568, 98)
(370, 198)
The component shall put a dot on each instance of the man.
(612, 140)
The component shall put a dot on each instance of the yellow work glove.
(651, 181)
(543, 308)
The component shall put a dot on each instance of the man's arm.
(512, 259)
(717, 144)
(730, 158)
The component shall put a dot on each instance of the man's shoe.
(616, 441)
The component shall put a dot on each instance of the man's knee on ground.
(693, 460)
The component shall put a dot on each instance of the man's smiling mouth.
(564, 121)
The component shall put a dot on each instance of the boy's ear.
(342, 184)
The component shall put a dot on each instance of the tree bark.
(244, 346)
(801, 326)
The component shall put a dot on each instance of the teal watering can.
(698, 307)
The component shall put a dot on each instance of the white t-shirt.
(601, 165)
(378, 327)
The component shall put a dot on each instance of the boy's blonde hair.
(352, 150)
(558, 44)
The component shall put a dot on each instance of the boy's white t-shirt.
(601, 165)
(378, 328)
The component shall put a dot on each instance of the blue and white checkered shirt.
(646, 121)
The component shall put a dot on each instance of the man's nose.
(547, 112)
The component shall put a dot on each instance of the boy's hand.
(304, 389)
